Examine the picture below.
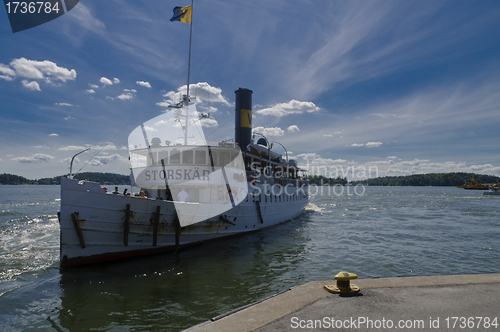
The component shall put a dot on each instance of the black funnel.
(243, 118)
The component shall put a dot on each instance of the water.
(387, 232)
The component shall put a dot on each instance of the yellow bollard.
(343, 285)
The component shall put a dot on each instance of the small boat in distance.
(474, 185)
(492, 191)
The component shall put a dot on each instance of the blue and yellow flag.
(182, 14)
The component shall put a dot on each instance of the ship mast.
(189, 58)
(187, 98)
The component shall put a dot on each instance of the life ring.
(254, 179)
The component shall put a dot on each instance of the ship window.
(163, 155)
(152, 158)
(225, 157)
(200, 157)
(237, 160)
(175, 157)
(215, 158)
(187, 157)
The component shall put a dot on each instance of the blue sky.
(403, 87)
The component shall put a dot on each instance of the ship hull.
(97, 227)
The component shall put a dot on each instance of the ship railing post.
(126, 225)
(78, 228)
(155, 229)
(178, 230)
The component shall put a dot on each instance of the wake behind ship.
(196, 192)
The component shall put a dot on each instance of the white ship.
(195, 192)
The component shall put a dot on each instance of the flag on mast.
(182, 14)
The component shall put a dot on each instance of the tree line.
(321, 180)
(431, 179)
(102, 178)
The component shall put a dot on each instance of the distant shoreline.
(415, 180)
(102, 178)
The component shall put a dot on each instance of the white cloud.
(82, 15)
(108, 147)
(128, 94)
(68, 160)
(103, 160)
(6, 77)
(72, 148)
(53, 135)
(209, 109)
(293, 129)
(33, 85)
(355, 45)
(116, 81)
(69, 117)
(34, 159)
(144, 84)
(292, 107)
(209, 123)
(373, 144)
(125, 96)
(94, 86)
(90, 91)
(272, 131)
(164, 103)
(8, 73)
(391, 115)
(202, 91)
(368, 145)
(47, 70)
(63, 104)
(105, 81)
(150, 129)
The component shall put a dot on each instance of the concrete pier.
(434, 303)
